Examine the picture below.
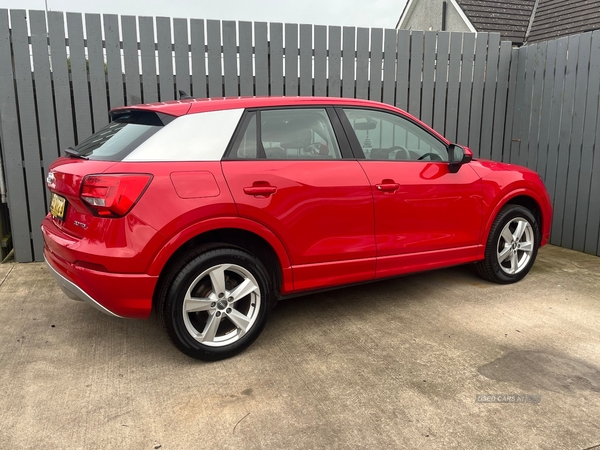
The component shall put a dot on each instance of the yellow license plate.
(57, 206)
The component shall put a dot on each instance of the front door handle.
(260, 190)
(387, 186)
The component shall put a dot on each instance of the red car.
(210, 211)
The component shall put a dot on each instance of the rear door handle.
(387, 186)
(260, 190)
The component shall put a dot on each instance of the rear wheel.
(216, 304)
(511, 247)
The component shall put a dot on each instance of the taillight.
(113, 195)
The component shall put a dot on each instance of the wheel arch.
(523, 197)
(242, 234)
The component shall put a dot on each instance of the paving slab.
(393, 364)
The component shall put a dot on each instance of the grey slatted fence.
(556, 131)
(59, 78)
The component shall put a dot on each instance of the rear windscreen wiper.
(71, 152)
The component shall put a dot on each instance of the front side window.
(385, 136)
(303, 133)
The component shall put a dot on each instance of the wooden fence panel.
(501, 98)
(587, 216)
(262, 58)
(566, 126)
(182, 56)
(544, 135)
(453, 86)
(576, 138)
(536, 105)
(148, 59)
(362, 63)
(402, 69)
(554, 129)
(466, 83)
(230, 69)
(334, 61)
(489, 96)
(526, 104)
(113, 60)
(131, 57)
(441, 82)
(320, 60)
(246, 57)
(416, 70)
(165, 59)
(376, 69)
(306, 60)
(276, 58)
(45, 97)
(348, 61)
(12, 158)
(60, 77)
(198, 53)
(429, 61)
(291, 59)
(28, 124)
(389, 66)
(79, 75)
(477, 92)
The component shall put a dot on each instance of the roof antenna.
(184, 96)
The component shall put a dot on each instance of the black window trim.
(339, 134)
(351, 135)
(238, 134)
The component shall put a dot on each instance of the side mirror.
(458, 155)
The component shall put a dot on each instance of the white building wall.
(427, 15)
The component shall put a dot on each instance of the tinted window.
(385, 136)
(247, 145)
(304, 133)
(120, 137)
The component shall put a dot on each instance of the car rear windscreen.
(120, 137)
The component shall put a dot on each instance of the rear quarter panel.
(186, 199)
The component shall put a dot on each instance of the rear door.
(287, 170)
(425, 216)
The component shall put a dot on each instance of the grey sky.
(364, 13)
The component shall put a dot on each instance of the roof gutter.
(531, 19)
(407, 7)
(463, 16)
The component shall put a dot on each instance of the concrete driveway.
(394, 364)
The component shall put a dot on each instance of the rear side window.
(302, 134)
(120, 137)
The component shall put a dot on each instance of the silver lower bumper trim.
(74, 292)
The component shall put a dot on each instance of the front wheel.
(217, 304)
(511, 247)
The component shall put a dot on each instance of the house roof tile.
(510, 17)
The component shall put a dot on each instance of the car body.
(287, 195)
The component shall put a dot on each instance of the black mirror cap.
(458, 155)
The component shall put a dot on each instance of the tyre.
(511, 247)
(217, 304)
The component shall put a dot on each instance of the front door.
(425, 216)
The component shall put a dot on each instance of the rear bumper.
(74, 292)
(119, 295)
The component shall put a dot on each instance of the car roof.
(192, 106)
(198, 105)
